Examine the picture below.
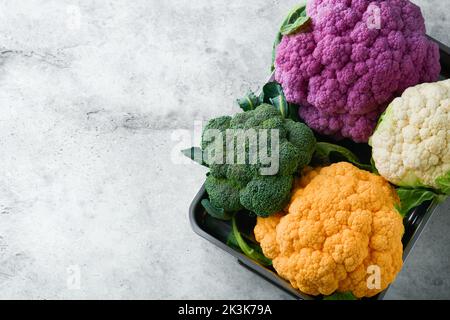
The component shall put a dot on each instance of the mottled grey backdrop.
(91, 205)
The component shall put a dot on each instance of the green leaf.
(215, 212)
(269, 91)
(232, 242)
(341, 296)
(281, 104)
(324, 151)
(293, 112)
(273, 94)
(444, 183)
(247, 249)
(440, 198)
(374, 168)
(195, 154)
(274, 50)
(296, 21)
(249, 102)
(412, 198)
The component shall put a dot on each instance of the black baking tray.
(217, 231)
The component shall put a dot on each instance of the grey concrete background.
(91, 203)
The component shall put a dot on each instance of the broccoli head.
(247, 169)
(266, 195)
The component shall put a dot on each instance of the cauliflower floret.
(265, 234)
(356, 58)
(415, 152)
(341, 221)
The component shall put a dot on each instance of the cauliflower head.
(411, 145)
(341, 220)
(351, 64)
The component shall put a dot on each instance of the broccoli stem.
(245, 248)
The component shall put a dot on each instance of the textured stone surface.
(90, 94)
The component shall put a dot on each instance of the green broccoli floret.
(242, 173)
(275, 123)
(221, 124)
(224, 193)
(218, 170)
(234, 186)
(264, 112)
(266, 195)
(290, 157)
(301, 136)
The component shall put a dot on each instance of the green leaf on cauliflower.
(444, 183)
(296, 21)
(341, 296)
(325, 152)
(274, 50)
(413, 198)
(374, 167)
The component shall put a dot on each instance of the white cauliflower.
(412, 141)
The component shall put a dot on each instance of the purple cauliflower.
(356, 57)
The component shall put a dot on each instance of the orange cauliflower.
(341, 220)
